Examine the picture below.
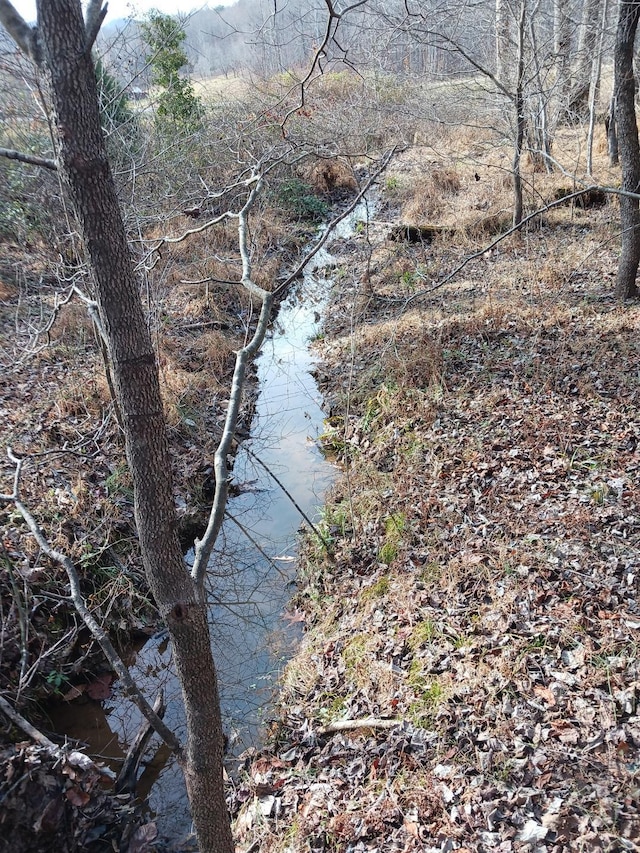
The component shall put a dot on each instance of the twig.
(475, 255)
(299, 269)
(32, 159)
(255, 544)
(23, 724)
(325, 542)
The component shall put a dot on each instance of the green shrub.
(299, 199)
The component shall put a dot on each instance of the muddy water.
(253, 568)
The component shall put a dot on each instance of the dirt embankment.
(469, 674)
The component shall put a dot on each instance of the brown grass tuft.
(327, 176)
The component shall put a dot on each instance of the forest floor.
(468, 678)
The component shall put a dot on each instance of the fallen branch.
(475, 255)
(325, 542)
(352, 725)
(128, 775)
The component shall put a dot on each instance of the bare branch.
(329, 33)
(94, 17)
(556, 203)
(45, 162)
(222, 218)
(269, 560)
(204, 546)
(76, 758)
(25, 37)
(482, 69)
(325, 542)
(126, 781)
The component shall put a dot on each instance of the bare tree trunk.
(589, 29)
(540, 132)
(594, 86)
(562, 51)
(520, 119)
(624, 93)
(612, 133)
(61, 45)
(502, 41)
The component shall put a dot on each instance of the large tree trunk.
(83, 163)
(629, 148)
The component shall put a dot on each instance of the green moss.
(387, 553)
(422, 634)
(377, 590)
(355, 651)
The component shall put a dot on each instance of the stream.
(253, 567)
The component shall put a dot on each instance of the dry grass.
(327, 176)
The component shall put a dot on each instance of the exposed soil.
(469, 676)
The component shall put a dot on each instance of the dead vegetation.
(479, 619)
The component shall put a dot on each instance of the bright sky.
(127, 8)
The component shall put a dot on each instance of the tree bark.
(62, 47)
(562, 54)
(612, 133)
(594, 86)
(629, 148)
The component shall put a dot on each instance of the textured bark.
(63, 51)
(629, 148)
(612, 134)
(562, 26)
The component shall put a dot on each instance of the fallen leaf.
(142, 838)
(532, 831)
(77, 796)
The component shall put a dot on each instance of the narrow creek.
(253, 568)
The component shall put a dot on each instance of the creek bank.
(468, 675)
